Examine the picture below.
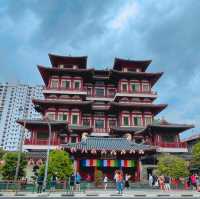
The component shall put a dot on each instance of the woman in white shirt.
(105, 180)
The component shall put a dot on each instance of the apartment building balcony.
(130, 93)
(67, 91)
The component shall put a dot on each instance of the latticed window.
(124, 87)
(54, 83)
(99, 123)
(137, 121)
(112, 123)
(148, 120)
(75, 119)
(86, 122)
(145, 87)
(135, 87)
(65, 84)
(51, 116)
(126, 120)
(99, 92)
(77, 84)
(62, 116)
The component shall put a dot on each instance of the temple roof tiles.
(102, 143)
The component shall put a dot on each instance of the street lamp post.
(19, 152)
(47, 158)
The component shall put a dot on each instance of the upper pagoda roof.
(40, 123)
(119, 63)
(156, 108)
(165, 127)
(68, 61)
(108, 143)
(47, 103)
(192, 138)
(152, 77)
(46, 72)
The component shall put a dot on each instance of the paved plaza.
(142, 193)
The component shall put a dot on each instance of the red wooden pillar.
(139, 170)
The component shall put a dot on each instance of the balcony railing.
(81, 89)
(40, 142)
(171, 144)
(101, 96)
(129, 91)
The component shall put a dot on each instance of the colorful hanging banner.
(107, 163)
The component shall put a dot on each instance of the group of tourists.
(121, 181)
(74, 182)
(164, 182)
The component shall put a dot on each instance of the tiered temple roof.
(118, 63)
(108, 144)
(68, 61)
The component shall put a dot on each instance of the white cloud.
(128, 11)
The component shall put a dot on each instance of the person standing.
(40, 183)
(71, 183)
(151, 180)
(78, 181)
(119, 182)
(167, 183)
(127, 177)
(53, 183)
(105, 181)
(193, 181)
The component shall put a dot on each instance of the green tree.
(9, 167)
(60, 165)
(172, 166)
(98, 177)
(2, 152)
(195, 162)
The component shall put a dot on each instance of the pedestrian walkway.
(96, 193)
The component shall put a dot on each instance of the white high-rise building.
(16, 103)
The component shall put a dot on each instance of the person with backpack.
(40, 184)
(105, 181)
(53, 183)
(78, 181)
(71, 183)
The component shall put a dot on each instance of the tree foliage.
(196, 151)
(172, 166)
(2, 152)
(60, 165)
(9, 167)
(195, 162)
(98, 177)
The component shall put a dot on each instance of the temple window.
(111, 92)
(51, 115)
(54, 83)
(65, 84)
(62, 116)
(75, 118)
(124, 87)
(86, 122)
(137, 120)
(77, 84)
(112, 123)
(99, 123)
(100, 92)
(89, 91)
(125, 69)
(145, 87)
(61, 65)
(42, 135)
(125, 120)
(135, 87)
(168, 138)
(148, 120)
(73, 139)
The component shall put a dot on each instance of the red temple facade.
(104, 118)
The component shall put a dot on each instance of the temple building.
(105, 118)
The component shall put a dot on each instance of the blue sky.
(167, 32)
